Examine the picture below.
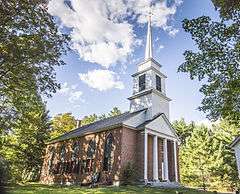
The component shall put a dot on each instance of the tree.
(183, 129)
(30, 47)
(61, 124)
(205, 157)
(228, 9)
(224, 133)
(92, 118)
(197, 158)
(89, 119)
(217, 61)
(23, 148)
(114, 112)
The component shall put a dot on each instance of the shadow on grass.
(34, 188)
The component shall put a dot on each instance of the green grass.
(46, 189)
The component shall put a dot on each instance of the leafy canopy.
(216, 63)
(30, 47)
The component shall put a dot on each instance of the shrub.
(128, 174)
(4, 171)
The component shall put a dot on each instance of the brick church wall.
(171, 164)
(113, 175)
(160, 157)
(133, 150)
(150, 157)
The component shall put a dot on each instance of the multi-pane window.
(62, 153)
(107, 160)
(91, 149)
(90, 154)
(51, 159)
(158, 83)
(76, 148)
(142, 82)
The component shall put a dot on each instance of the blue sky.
(93, 82)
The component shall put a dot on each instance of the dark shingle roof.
(97, 126)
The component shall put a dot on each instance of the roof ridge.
(87, 125)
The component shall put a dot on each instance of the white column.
(175, 161)
(155, 158)
(145, 156)
(165, 150)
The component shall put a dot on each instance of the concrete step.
(170, 185)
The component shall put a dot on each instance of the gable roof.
(164, 118)
(235, 141)
(111, 122)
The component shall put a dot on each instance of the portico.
(161, 144)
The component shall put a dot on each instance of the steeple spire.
(148, 51)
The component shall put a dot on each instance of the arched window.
(107, 160)
(75, 152)
(89, 163)
(91, 149)
(62, 153)
(75, 163)
(51, 159)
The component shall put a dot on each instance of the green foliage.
(4, 171)
(30, 47)
(61, 124)
(129, 172)
(216, 63)
(228, 9)
(24, 147)
(89, 119)
(92, 118)
(205, 157)
(183, 129)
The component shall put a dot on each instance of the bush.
(128, 174)
(4, 171)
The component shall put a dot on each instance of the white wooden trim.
(175, 161)
(165, 149)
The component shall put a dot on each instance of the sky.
(108, 41)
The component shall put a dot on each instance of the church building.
(143, 136)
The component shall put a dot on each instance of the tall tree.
(61, 124)
(205, 157)
(24, 146)
(217, 61)
(90, 119)
(30, 47)
(183, 129)
(228, 9)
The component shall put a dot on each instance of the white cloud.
(75, 96)
(100, 30)
(101, 80)
(71, 92)
(64, 88)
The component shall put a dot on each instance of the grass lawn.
(45, 189)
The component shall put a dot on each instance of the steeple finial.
(148, 51)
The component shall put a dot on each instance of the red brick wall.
(160, 157)
(140, 155)
(98, 158)
(129, 146)
(150, 157)
(171, 165)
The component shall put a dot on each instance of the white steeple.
(149, 84)
(148, 51)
